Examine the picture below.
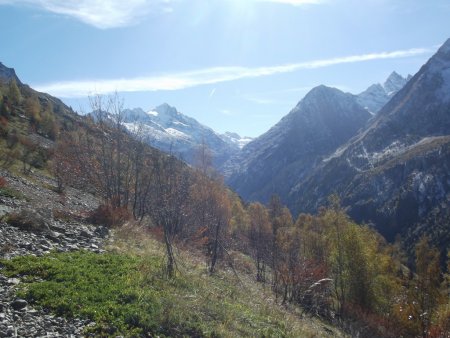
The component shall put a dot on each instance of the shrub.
(3, 182)
(27, 219)
(109, 216)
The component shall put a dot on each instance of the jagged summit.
(394, 83)
(166, 109)
(377, 95)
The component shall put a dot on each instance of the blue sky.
(234, 65)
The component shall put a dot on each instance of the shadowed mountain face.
(279, 159)
(396, 172)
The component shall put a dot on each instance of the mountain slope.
(396, 173)
(171, 131)
(280, 158)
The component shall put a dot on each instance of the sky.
(234, 65)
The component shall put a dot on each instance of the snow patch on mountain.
(176, 133)
(235, 139)
(171, 131)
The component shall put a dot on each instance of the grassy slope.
(125, 292)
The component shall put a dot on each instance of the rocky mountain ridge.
(377, 95)
(396, 172)
(171, 131)
(275, 161)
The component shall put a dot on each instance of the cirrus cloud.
(182, 80)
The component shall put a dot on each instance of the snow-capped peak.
(172, 131)
(377, 95)
(166, 109)
(394, 83)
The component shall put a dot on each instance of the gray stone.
(13, 281)
(19, 304)
(54, 236)
(102, 231)
(86, 234)
(28, 219)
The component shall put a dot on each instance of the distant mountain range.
(171, 131)
(321, 122)
(389, 166)
(276, 161)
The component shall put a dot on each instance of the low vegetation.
(127, 294)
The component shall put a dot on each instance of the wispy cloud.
(261, 99)
(213, 91)
(206, 76)
(226, 112)
(294, 2)
(99, 13)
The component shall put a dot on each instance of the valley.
(132, 222)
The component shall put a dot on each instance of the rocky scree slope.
(48, 222)
(396, 172)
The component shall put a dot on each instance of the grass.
(126, 293)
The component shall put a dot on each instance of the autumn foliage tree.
(260, 238)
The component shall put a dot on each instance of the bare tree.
(170, 198)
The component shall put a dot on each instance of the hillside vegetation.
(125, 293)
(188, 257)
